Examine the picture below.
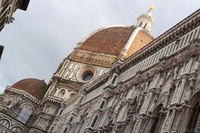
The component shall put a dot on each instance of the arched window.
(17, 130)
(61, 110)
(94, 121)
(102, 104)
(61, 93)
(5, 123)
(65, 131)
(71, 119)
(140, 24)
(24, 115)
(145, 25)
(51, 130)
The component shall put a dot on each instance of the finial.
(151, 8)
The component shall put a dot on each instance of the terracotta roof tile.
(109, 41)
(35, 87)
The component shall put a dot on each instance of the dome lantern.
(145, 20)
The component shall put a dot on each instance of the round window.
(88, 75)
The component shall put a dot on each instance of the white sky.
(41, 37)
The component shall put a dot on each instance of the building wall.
(155, 91)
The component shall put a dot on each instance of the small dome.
(34, 87)
(108, 41)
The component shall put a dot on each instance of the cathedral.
(119, 79)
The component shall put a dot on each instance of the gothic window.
(24, 115)
(94, 121)
(5, 123)
(61, 93)
(17, 130)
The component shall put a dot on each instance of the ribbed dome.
(34, 87)
(108, 41)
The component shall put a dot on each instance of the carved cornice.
(99, 59)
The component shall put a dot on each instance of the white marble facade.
(155, 91)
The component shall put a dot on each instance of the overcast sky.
(41, 37)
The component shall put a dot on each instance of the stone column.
(171, 121)
(165, 124)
